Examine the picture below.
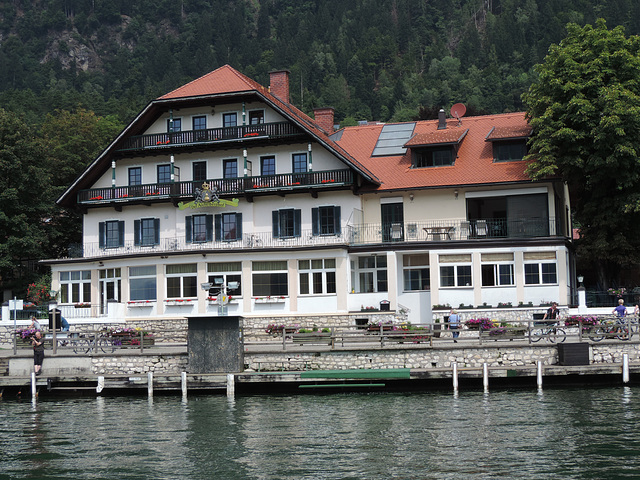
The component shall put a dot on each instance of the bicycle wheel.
(622, 333)
(557, 335)
(105, 345)
(81, 345)
(536, 335)
(596, 334)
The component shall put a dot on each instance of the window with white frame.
(182, 280)
(225, 273)
(142, 283)
(497, 269)
(455, 270)
(369, 274)
(540, 268)
(317, 276)
(146, 232)
(415, 271)
(75, 286)
(270, 278)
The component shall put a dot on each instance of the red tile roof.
(227, 80)
(474, 165)
(439, 137)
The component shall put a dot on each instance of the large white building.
(223, 181)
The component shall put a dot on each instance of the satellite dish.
(458, 110)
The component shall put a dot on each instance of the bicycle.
(92, 343)
(617, 329)
(552, 333)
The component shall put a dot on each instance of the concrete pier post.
(183, 377)
(455, 376)
(539, 374)
(231, 385)
(625, 368)
(485, 376)
(100, 385)
(34, 390)
(150, 383)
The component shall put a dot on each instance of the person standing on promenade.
(620, 311)
(454, 324)
(38, 352)
(34, 323)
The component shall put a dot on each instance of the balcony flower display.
(275, 329)
(179, 301)
(480, 324)
(141, 303)
(123, 336)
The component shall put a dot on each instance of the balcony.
(253, 241)
(455, 230)
(211, 136)
(222, 186)
(426, 233)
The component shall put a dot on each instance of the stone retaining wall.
(138, 364)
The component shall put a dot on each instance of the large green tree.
(24, 202)
(585, 112)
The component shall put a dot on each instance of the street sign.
(16, 304)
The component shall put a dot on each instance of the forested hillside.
(370, 59)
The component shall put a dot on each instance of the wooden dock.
(392, 379)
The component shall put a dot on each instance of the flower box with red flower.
(141, 303)
(184, 302)
(270, 299)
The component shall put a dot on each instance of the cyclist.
(552, 313)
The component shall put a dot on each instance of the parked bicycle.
(550, 332)
(617, 329)
(96, 342)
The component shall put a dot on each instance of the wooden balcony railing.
(209, 135)
(223, 186)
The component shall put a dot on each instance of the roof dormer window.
(433, 157)
(510, 151)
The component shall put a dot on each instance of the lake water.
(555, 433)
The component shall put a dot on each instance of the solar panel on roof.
(392, 138)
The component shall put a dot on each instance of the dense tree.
(24, 202)
(585, 111)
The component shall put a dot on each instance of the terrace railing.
(209, 135)
(452, 230)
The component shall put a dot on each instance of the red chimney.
(324, 118)
(279, 84)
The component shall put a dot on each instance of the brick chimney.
(279, 84)
(324, 118)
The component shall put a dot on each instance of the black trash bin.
(55, 314)
(384, 306)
